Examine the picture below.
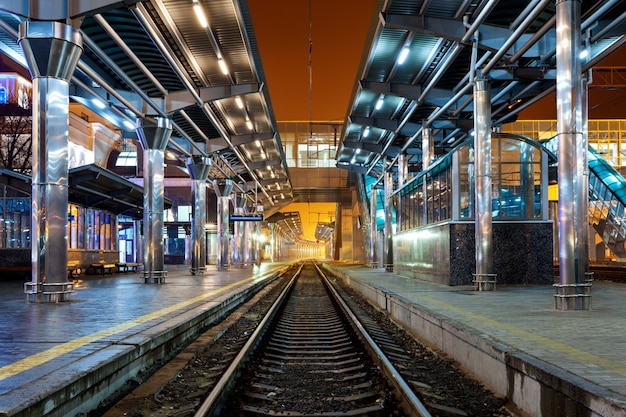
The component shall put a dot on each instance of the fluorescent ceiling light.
(129, 125)
(201, 16)
(379, 103)
(239, 102)
(99, 103)
(223, 66)
(403, 54)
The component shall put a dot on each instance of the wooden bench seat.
(73, 269)
(102, 268)
(128, 266)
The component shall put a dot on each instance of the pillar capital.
(52, 49)
(199, 167)
(154, 133)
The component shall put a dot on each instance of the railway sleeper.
(308, 339)
(373, 411)
(318, 355)
(288, 350)
(308, 362)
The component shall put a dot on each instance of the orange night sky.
(338, 36)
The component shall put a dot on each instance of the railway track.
(302, 356)
(312, 363)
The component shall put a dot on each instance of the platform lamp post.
(154, 135)
(484, 278)
(199, 167)
(571, 293)
(52, 50)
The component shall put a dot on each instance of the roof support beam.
(249, 138)
(41, 10)
(407, 91)
(263, 164)
(180, 99)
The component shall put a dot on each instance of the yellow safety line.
(576, 353)
(37, 359)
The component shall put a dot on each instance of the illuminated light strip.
(67, 347)
(576, 353)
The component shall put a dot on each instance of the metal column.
(427, 156)
(403, 174)
(223, 201)
(52, 50)
(484, 278)
(388, 203)
(257, 232)
(570, 292)
(581, 199)
(154, 135)
(272, 227)
(373, 231)
(239, 234)
(199, 167)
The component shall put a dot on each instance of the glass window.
(127, 159)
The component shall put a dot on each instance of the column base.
(484, 282)
(154, 277)
(195, 271)
(48, 292)
(572, 296)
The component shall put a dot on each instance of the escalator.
(607, 200)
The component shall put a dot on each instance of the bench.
(73, 269)
(103, 268)
(128, 267)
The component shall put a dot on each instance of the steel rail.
(212, 403)
(411, 403)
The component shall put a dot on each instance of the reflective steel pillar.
(373, 231)
(403, 174)
(427, 156)
(388, 204)
(257, 233)
(222, 190)
(527, 179)
(138, 241)
(153, 135)
(581, 196)
(199, 167)
(239, 232)
(52, 50)
(272, 227)
(570, 292)
(484, 278)
(428, 147)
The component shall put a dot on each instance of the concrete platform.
(548, 362)
(63, 359)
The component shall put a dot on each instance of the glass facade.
(310, 144)
(91, 229)
(606, 137)
(15, 217)
(516, 185)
